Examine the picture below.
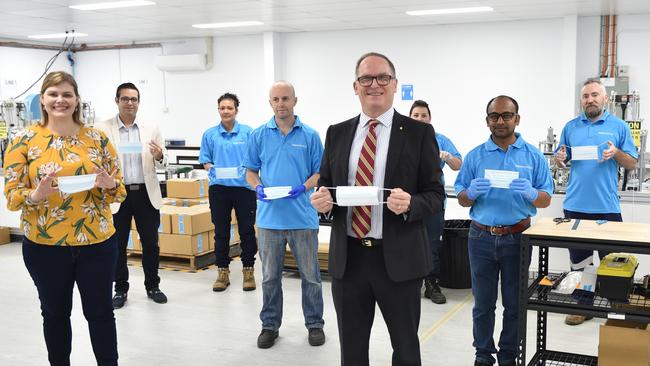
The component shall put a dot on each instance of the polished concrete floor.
(200, 327)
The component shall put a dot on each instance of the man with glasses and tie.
(504, 181)
(592, 193)
(282, 164)
(379, 254)
(142, 151)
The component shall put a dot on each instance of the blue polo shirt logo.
(299, 145)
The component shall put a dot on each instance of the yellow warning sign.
(635, 129)
(3, 129)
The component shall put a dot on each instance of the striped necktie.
(365, 170)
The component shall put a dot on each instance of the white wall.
(456, 68)
(20, 67)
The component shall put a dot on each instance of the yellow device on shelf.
(616, 276)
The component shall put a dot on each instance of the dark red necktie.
(365, 170)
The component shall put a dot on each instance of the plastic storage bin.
(454, 258)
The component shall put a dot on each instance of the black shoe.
(267, 338)
(157, 296)
(436, 294)
(119, 299)
(427, 287)
(316, 336)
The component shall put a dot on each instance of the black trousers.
(222, 200)
(364, 284)
(55, 270)
(147, 220)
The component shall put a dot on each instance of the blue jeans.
(435, 224)
(304, 246)
(492, 257)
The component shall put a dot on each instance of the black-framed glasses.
(382, 80)
(126, 100)
(505, 116)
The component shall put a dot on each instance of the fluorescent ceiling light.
(228, 24)
(476, 9)
(58, 35)
(112, 5)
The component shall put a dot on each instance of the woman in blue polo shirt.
(223, 148)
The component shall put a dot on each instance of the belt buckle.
(134, 187)
(366, 242)
(493, 233)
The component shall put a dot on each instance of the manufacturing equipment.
(559, 173)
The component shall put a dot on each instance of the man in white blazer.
(141, 150)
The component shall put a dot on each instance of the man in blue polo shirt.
(285, 152)
(596, 142)
(435, 223)
(223, 148)
(504, 181)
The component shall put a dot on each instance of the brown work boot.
(223, 280)
(576, 319)
(249, 279)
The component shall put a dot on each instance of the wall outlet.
(10, 82)
(142, 81)
(165, 110)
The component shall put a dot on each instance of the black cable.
(49, 64)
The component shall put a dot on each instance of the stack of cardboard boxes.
(186, 227)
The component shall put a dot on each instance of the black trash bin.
(454, 258)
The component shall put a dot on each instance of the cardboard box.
(185, 202)
(5, 235)
(173, 244)
(624, 343)
(134, 242)
(187, 188)
(211, 240)
(165, 221)
(190, 220)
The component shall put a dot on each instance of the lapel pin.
(401, 128)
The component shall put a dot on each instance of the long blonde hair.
(56, 78)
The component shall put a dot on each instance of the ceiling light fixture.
(476, 9)
(58, 35)
(112, 5)
(228, 24)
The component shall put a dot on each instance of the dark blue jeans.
(55, 270)
(222, 200)
(435, 224)
(579, 257)
(492, 257)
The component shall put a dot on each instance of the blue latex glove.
(297, 191)
(477, 187)
(212, 174)
(260, 193)
(524, 188)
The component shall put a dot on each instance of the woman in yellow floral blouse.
(68, 237)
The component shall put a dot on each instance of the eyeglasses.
(382, 80)
(505, 116)
(126, 100)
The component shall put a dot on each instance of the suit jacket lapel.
(348, 135)
(395, 145)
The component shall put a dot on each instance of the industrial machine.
(559, 173)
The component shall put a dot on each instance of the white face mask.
(589, 152)
(358, 196)
(127, 147)
(227, 173)
(76, 183)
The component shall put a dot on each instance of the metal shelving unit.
(534, 296)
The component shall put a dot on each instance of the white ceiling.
(172, 19)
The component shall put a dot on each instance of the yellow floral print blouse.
(62, 219)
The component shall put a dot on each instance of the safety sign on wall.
(635, 129)
(407, 91)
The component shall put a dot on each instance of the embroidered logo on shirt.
(239, 142)
(605, 133)
(299, 145)
(523, 166)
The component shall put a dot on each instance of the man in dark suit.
(379, 254)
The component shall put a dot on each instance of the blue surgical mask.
(127, 147)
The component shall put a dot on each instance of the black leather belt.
(135, 187)
(500, 230)
(366, 242)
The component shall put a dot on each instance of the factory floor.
(201, 327)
